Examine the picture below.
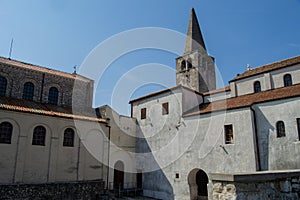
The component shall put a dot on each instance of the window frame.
(28, 91)
(143, 113)
(256, 87)
(39, 136)
(3, 86)
(287, 80)
(165, 108)
(280, 129)
(6, 132)
(68, 140)
(228, 137)
(53, 96)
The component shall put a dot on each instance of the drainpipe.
(108, 152)
(256, 138)
(42, 88)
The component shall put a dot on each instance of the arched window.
(256, 86)
(183, 65)
(53, 96)
(28, 91)
(69, 138)
(39, 136)
(5, 132)
(280, 129)
(3, 84)
(287, 80)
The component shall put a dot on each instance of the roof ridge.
(30, 66)
(268, 67)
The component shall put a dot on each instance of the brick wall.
(71, 87)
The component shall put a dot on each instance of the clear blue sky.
(59, 34)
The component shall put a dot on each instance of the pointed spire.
(194, 39)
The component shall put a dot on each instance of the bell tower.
(195, 69)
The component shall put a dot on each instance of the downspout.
(78, 157)
(42, 88)
(256, 138)
(108, 152)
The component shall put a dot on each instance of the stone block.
(285, 186)
(217, 187)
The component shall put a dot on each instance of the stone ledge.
(255, 176)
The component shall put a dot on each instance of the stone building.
(49, 132)
(226, 143)
(191, 141)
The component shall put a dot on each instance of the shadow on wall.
(155, 184)
(263, 134)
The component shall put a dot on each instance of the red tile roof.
(46, 109)
(220, 90)
(39, 68)
(268, 67)
(161, 92)
(246, 100)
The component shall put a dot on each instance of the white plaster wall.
(268, 80)
(190, 100)
(279, 153)
(216, 97)
(23, 162)
(158, 132)
(8, 152)
(245, 86)
(277, 76)
(199, 142)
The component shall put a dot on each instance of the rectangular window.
(165, 108)
(228, 134)
(143, 113)
(298, 127)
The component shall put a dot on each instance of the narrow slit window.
(165, 108)
(143, 113)
(280, 129)
(228, 134)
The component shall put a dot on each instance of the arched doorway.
(198, 181)
(119, 175)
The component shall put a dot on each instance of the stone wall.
(71, 190)
(260, 185)
(73, 89)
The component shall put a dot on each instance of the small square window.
(165, 108)
(143, 113)
(228, 134)
(177, 175)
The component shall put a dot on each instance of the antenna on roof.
(74, 69)
(10, 50)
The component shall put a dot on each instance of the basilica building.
(192, 141)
